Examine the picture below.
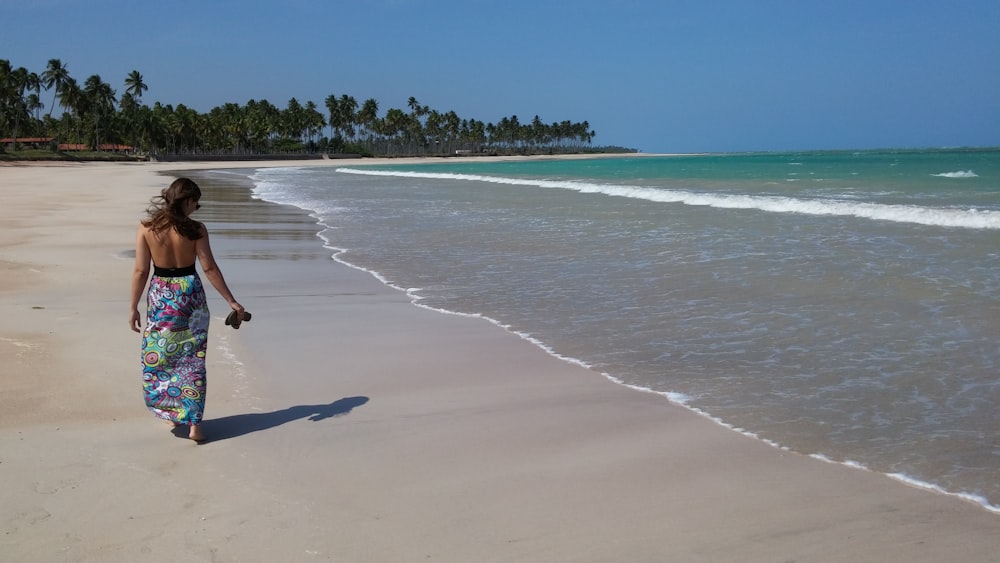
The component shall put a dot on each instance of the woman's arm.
(203, 249)
(140, 275)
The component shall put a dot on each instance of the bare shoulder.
(143, 230)
(202, 228)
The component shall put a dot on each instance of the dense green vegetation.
(92, 115)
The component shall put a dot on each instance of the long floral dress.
(173, 347)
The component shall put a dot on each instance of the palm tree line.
(92, 115)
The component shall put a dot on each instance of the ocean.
(843, 305)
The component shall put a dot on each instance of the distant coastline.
(94, 117)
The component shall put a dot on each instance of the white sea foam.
(933, 216)
(914, 482)
(932, 487)
(278, 191)
(959, 174)
(683, 400)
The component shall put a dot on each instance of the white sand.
(350, 425)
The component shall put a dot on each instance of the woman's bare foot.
(196, 434)
(170, 424)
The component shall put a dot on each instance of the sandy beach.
(410, 435)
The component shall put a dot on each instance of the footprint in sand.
(54, 487)
(29, 517)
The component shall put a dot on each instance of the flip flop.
(234, 321)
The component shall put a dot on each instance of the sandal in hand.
(234, 321)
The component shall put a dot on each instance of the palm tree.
(134, 84)
(16, 83)
(395, 123)
(477, 133)
(333, 106)
(128, 114)
(232, 128)
(262, 123)
(100, 102)
(453, 125)
(343, 115)
(131, 100)
(514, 130)
(491, 133)
(144, 123)
(55, 77)
(415, 107)
(348, 113)
(71, 97)
(291, 120)
(6, 93)
(33, 103)
(160, 137)
(314, 121)
(190, 126)
(538, 131)
(433, 131)
(368, 115)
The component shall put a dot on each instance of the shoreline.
(375, 430)
(673, 398)
(898, 478)
(353, 161)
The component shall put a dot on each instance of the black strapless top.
(174, 272)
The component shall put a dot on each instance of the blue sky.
(660, 76)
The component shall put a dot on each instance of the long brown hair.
(166, 211)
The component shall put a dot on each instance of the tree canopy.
(94, 115)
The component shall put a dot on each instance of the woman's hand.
(133, 321)
(239, 310)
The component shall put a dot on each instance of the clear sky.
(657, 75)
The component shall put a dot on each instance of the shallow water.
(838, 304)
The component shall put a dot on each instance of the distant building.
(45, 142)
(33, 142)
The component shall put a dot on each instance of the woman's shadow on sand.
(227, 427)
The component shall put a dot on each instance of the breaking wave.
(934, 216)
(959, 174)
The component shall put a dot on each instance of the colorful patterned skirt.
(174, 344)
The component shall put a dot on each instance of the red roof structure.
(28, 140)
(67, 146)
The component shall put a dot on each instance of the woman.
(176, 335)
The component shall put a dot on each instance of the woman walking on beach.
(176, 334)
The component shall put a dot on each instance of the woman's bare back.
(170, 249)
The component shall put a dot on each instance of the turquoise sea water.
(839, 304)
